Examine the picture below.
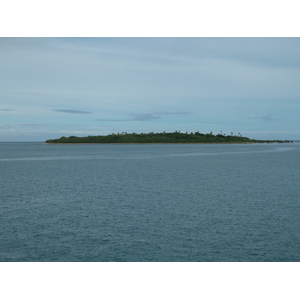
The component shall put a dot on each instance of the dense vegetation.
(163, 137)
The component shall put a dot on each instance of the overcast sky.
(53, 87)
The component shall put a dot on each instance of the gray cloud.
(163, 112)
(134, 118)
(113, 120)
(144, 117)
(265, 118)
(72, 111)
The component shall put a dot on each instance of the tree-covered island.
(176, 137)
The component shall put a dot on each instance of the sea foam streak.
(141, 156)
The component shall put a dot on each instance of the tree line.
(162, 137)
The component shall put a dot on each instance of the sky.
(53, 87)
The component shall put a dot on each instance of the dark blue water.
(149, 202)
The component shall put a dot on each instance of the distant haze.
(53, 87)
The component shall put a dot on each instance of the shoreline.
(154, 143)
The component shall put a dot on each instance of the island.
(176, 137)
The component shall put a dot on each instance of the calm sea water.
(149, 202)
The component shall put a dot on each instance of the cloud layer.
(104, 85)
(72, 111)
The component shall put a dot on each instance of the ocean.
(154, 202)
